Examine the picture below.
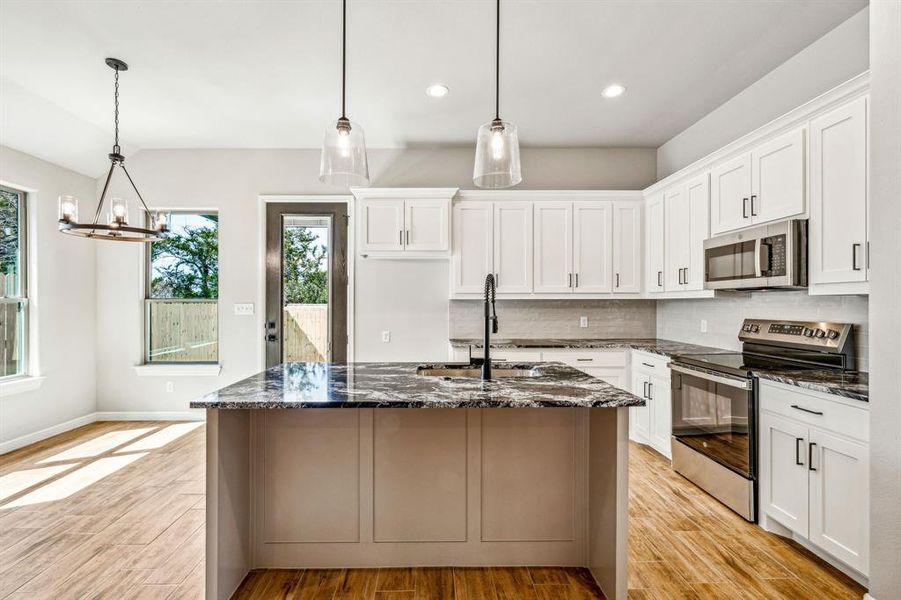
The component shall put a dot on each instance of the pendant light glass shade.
(343, 161)
(497, 156)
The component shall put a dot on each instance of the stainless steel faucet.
(490, 325)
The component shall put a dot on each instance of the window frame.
(148, 301)
(22, 299)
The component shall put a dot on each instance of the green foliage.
(9, 234)
(305, 277)
(186, 265)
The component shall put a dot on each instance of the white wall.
(62, 290)
(408, 298)
(681, 319)
(885, 223)
(834, 58)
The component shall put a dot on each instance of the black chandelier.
(117, 227)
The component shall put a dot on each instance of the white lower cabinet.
(652, 423)
(814, 470)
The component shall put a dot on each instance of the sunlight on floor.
(98, 445)
(13, 483)
(161, 438)
(75, 481)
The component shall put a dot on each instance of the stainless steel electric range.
(714, 401)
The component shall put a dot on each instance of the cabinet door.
(626, 247)
(730, 195)
(553, 247)
(592, 247)
(677, 235)
(655, 225)
(839, 497)
(641, 415)
(513, 247)
(697, 193)
(426, 225)
(473, 248)
(838, 195)
(778, 167)
(383, 225)
(783, 471)
(661, 425)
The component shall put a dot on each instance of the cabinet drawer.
(652, 364)
(586, 359)
(816, 410)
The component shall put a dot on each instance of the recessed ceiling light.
(437, 90)
(613, 90)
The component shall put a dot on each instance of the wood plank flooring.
(116, 510)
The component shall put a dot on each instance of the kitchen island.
(320, 465)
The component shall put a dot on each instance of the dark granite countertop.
(396, 385)
(848, 384)
(667, 348)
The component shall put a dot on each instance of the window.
(13, 288)
(182, 313)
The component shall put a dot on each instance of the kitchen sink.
(475, 371)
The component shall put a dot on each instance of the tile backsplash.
(537, 319)
(681, 319)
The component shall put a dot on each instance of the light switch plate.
(386, 336)
(583, 321)
(244, 309)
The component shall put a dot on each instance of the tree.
(9, 236)
(186, 264)
(305, 277)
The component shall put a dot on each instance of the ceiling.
(266, 74)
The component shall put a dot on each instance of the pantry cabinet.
(838, 197)
(403, 222)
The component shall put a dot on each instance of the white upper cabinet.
(592, 247)
(513, 247)
(778, 168)
(697, 192)
(626, 247)
(473, 256)
(403, 222)
(426, 225)
(838, 195)
(655, 225)
(678, 252)
(383, 225)
(553, 246)
(731, 195)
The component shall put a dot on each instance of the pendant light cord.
(497, 64)
(343, 55)
(116, 149)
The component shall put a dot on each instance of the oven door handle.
(742, 384)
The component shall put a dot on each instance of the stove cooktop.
(743, 363)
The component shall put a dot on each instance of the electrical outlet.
(244, 309)
(583, 321)
(386, 336)
(170, 387)
(703, 325)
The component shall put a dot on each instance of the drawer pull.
(807, 410)
(648, 365)
(798, 460)
(584, 359)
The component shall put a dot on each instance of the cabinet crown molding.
(501, 195)
(403, 192)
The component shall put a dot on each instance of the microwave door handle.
(758, 256)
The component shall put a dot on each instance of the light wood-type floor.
(116, 510)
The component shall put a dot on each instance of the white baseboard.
(43, 434)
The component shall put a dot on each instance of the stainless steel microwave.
(769, 256)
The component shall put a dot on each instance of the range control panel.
(815, 335)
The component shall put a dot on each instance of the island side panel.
(608, 499)
(228, 501)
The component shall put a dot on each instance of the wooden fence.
(184, 331)
(305, 333)
(9, 339)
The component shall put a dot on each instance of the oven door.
(714, 415)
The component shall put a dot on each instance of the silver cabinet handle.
(744, 208)
(798, 460)
(854, 253)
(753, 198)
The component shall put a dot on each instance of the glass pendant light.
(343, 161)
(117, 228)
(497, 145)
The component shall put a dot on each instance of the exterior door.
(473, 255)
(656, 228)
(592, 245)
(778, 167)
(553, 247)
(783, 489)
(627, 247)
(513, 247)
(306, 283)
(730, 195)
(838, 195)
(839, 484)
